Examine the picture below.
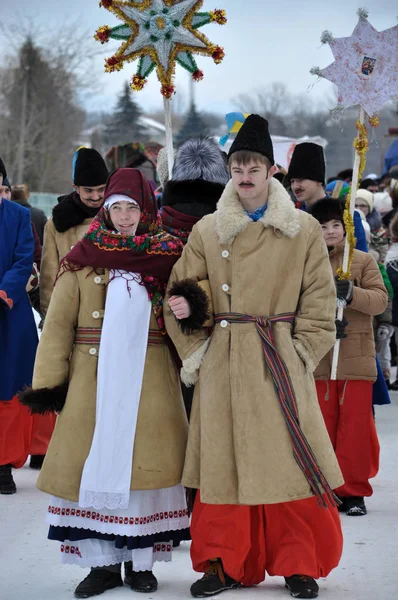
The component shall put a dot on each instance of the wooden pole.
(169, 135)
(354, 187)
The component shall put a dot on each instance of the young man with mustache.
(306, 174)
(258, 450)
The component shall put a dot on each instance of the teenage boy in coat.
(258, 449)
(71, 217)
(70, 220)
(346, 403)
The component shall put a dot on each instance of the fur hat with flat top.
(308, 162)
(254, 136)
(88, 168)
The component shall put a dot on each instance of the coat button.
(225, 253)
(224, 324)
(225, 287)
(97, 279)
(71, 247)
(93, 351)
(96, 314)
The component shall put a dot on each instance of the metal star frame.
(365, 69)
(160, 33)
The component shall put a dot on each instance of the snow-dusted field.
(30, 568)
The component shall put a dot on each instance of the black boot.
(355, 507)
(7, 483)
(143, 581)
(301, 586)
(214, 581)
(343, 506)
(36, 461)
(97, 582)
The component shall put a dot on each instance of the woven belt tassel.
(302, 450)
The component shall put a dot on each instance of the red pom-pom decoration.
(106, 3)
(218, 54)
(218, 16)
(113, 64)
(167, 90)
(138, 82)
(102, 34)
(197, 75)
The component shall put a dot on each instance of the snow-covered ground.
(30, 568)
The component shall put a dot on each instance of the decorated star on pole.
(365, 69)
(160, 33)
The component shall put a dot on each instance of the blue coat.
(18, 333)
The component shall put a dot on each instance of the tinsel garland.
(361, 145)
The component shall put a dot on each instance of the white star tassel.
(316, 71)
(363, 13)
(327, 37)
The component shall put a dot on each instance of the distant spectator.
(391, 157)
(345, 175)
(393, 191)
(337, 188)
(20, 194)
(6, 189)
(382, 203)
(378, 246)
(384, 182)
(369, 184)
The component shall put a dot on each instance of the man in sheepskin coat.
(258, 449)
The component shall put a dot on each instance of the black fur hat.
(3, 169)
(88, 168)
(327, 209)
(308, 162)
(254, 136)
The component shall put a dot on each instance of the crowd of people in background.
(167, 263)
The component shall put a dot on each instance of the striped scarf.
(302, 450)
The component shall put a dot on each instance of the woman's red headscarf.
(151, 252)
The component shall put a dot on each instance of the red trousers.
(347, 410)
(43, 427)
(374, 449)
(281, 539)
(16, 425)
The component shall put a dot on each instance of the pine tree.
(124, 126)
(193, 127)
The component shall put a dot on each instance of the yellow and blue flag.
(234, 121)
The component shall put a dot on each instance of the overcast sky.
(264, 41)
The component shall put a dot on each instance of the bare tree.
(40, 118)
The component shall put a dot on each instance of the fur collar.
(68, 214)
(191, 190)
(281, 214)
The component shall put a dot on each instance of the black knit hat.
(88, 168)
(327, 209)
(254, 136)
(308, 162)
(3, 169)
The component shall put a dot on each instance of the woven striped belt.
(92, 335)
(302, 450)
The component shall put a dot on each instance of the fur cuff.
(198, 302)
(45, 400)
(192, 364)
(304, 355)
